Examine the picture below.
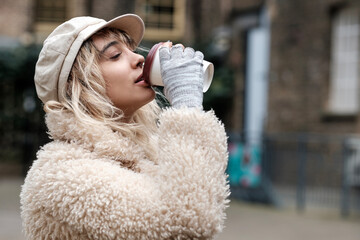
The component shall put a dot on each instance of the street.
(245, 221)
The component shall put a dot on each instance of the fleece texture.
(97, 184)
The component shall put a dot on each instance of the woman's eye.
(116, 56)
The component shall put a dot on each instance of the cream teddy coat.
(93, 183)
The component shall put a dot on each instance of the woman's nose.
(139, 60)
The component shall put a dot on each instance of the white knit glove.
(181, 71)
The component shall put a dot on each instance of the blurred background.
(286, 86)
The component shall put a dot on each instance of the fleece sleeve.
(193, 157)
(183, 198)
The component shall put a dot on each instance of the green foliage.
(221, 87)
(21, 116)
(220, 94)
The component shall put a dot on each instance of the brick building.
(306, 87)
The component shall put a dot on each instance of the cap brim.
(131, 24)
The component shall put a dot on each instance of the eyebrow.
(108, 45)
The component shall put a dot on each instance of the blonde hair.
(85, 96)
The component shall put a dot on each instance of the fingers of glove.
(188, 53)
(177, 51)
(164, 53)
(199, 55)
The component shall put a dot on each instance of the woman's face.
(122, 70)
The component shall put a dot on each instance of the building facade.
(313, 76)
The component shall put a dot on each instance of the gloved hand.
(181, 71)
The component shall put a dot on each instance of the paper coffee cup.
(152, 71)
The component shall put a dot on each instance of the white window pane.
(344, 86)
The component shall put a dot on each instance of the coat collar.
(101, 139)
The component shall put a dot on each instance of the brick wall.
(15, 17)
(300, 59)
(300, 53)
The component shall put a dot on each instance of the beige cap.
(62, 45)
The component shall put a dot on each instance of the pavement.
(244, 221)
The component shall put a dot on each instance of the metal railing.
(307, 171)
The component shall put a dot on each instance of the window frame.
(41, 8)
(343, 97)
(161, 34)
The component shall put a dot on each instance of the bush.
(21, 116)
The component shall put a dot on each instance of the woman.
(119, 167)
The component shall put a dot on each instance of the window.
(50, 11)
(48, 15)
(159, 14)
(344, 75)
(164, 19)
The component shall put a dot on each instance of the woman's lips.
(141, 80)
